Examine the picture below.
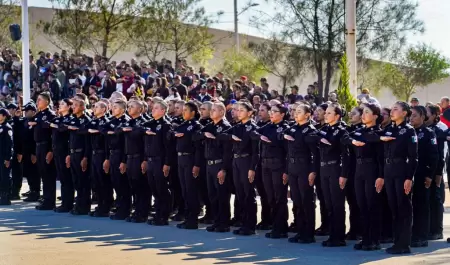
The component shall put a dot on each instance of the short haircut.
(208, 104)
(220, 105)
(163, 104)
(121, 104)
(102, 104)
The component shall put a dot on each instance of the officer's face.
(368, 117)
(78, 107)
(117, 111)
(99, 110)
(133, 109)
(204, 111)
(275, 115)
(2, 118)
(158, 111)
(354, 115)
(63, 107)
(243, 113)
(263, 113)
(171, 107)
(330, 116)
(216, 113)
(300, 115)
(416, 120)
(187, 113)
(397, 113)
(42, 103)
(235, 111)
(179, 109)
(319, 115)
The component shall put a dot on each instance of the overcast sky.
(435, 14)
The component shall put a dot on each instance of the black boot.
(4, 198)
(32, 197)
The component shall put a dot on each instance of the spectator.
(55, 88)
(445, 105)
(414, 102)
(294, 96)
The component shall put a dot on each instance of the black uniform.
(100, 179)
(158, 153)
(334, 164)
(246, 157)
(190, 154)
(437, 193)
(60, 148)
(428, 157)
(47, 172)
(400, 163)
(174, 180)
(302, 160)
(218, 158)
(115, 154)
(273, 157)
(204, 198)
(134, 150)
(80, 148)
(350, 194)
(369, 162)
(266, 215)
(6, 154)
(17, 168)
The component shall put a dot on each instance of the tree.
(382, 27)
(344, 96)
(288, 62)
(418, 67)
(236, 64)
(70, 27)
(9, 14)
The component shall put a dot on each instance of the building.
(224, 41)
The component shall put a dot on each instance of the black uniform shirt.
(441, 139)
(158, 145)
(428, 155)
(42, 130)
(98, 140)
(134, 140)
(115, 141)
(60, 135)
(79, 139)
(277, 147)
(6, 142)
(185, 144)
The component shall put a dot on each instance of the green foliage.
(10, 13)
(236, 64)
(345, 97)
(418, 67)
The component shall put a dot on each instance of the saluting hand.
(209, 135)
(289, 138)
(235, 138)
(325, 141)
(407, 186)
(387, 138)
(265, 139)
(179, 134)
(358, 143)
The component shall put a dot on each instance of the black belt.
(184, 154)
(322, 164)
(94, 152)
(389, 161)
(134, 156)
(41, 143)
(361, 161)
(73, 151)
(154, 158)
(298, 160)
(214, 162)
(116, 151)
(241, 155)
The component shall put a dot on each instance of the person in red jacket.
(445, 105)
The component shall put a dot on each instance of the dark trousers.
(324, 219)
(189, 188)
(81, 182)
(204, 195)
(421, 210)
(159, 184)
(386, 216)
(219, 196)
(245, 191)
(120, 184)
(369, 202)
(266, 216)
(5, 179)
(17, 175)
(139, 185)
(302, 194)
(401, 209)
(276, 191)
(175, 190)
(65, 177)
(47, 173)
(437, 196)
(354, 215)
(102, 181)
(238, 211)
(29, 172)
(334, 199)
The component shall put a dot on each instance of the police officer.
(80, 152)
(60, 137)
(134, 150)
(273, 157)
(368, 176)
(266, 216)
(355, 221)
(26, 154)
(44, 152)
(426, 168)
(17, 125)
(246, 157)
(6, 155)
(334, 168)
(98, 175)
(218, 158)
(437, 188)
(400, 154)
(190, 156)
(159, 154)
(303, 163)
(115, 162)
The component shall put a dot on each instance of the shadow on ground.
(21, 219)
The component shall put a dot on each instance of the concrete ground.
(28, 237)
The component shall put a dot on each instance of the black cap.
(12, 106)
(4, 112)
(29, 106)
(414, 100)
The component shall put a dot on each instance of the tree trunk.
(328, 76)
(105, 42)
(283, 91)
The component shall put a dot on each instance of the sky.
(435, 14)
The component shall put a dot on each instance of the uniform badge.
(280, 129)
(292, 130)
(248, 128)
(44, 117)
(305, 130)
(81, 121)
(433, 141)
(219, 129)
(414, 139)
(102, 122)
(335, 132)
(10, 133)
(158, 127)
(402, 131)
(189, 128)
(420, 135)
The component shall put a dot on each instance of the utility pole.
(236, 31)
(25, 54)
(350, 10)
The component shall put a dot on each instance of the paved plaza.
(30, 237)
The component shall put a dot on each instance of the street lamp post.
(236, 16)
(350, 6)
(25, 54)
